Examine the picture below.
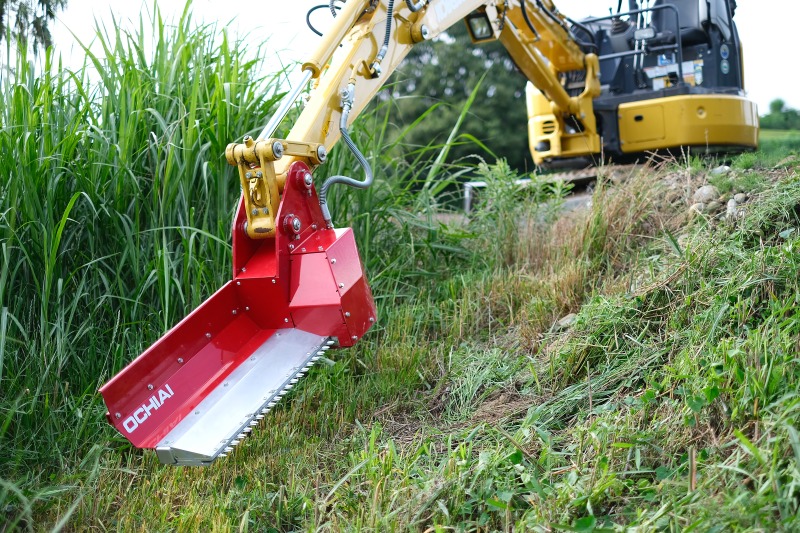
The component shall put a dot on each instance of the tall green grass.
(115, 206)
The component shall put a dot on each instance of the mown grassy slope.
(669, 402)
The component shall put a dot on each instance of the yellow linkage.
(348, 53)
(260, 184)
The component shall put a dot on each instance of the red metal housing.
(308, 277)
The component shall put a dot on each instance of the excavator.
(657, 75)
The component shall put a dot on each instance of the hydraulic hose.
(523, 5)
(558, 21)
(415, 7)
(376, 65)
(347, 104)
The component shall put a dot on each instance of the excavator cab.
(671, 79)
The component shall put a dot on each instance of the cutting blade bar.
(232, 408)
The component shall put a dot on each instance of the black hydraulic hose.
(375, 67)
(344, 180)
(524, 4)
(552, 15)
(388, 35)
(560, 22)
(311, 12)
(584, 28)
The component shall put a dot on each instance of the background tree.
(446, 70)
(780, 117)
(28, 20)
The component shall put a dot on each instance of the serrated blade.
(216, 424)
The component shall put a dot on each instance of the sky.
(766, 28)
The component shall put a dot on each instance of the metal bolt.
(247, 138)
(244, 270)
(333, 261)
(208, 335)
(424, 31)
(265, 211)
(238, 282)
(286, 320)
(252, 358)
(313, 226)
(118, 415)
(354, 337)
(322, 153)
(296, 224)
(273, 281)
(341, 285)
(259, 174)
(277, 149)
(197, 412)
(225, 384)
(308, 179)
(319, 248)
(255, 212)
(233, 312)
(291, 246)
(347, 314)
(149, 387)
(180, 360)
(302, 249)
(248, 175)
(247, 308)
(371, 319)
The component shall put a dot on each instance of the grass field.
(669, 402)
(776, 145)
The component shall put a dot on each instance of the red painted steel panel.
(289, 281)
(358, 302)
(345, 262)
(190, 359)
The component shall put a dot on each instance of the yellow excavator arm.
(368, 41)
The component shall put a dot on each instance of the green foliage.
(440, 75)
(27, 21)
(780, 117)
(113, 222)
(505, 203)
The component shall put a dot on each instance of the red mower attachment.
(194, 394)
